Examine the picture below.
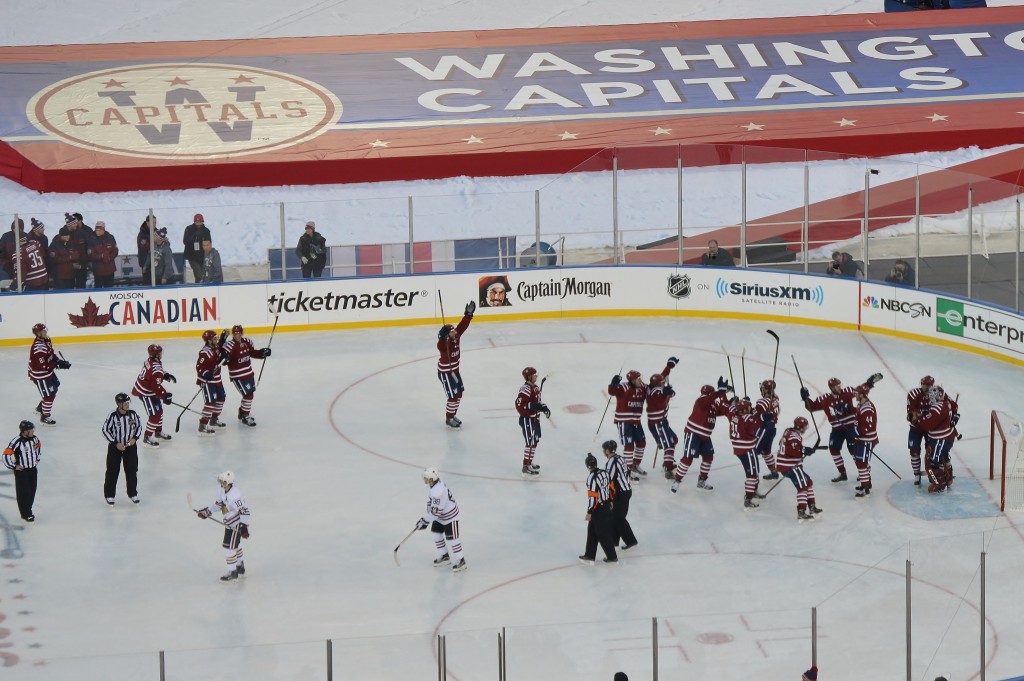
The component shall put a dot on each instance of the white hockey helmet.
(430, 475)
(226, 478)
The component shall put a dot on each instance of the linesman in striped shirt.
(599, 514)
(22, 456)
(618, 474)
(123, 428)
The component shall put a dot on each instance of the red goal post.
(1005, 436)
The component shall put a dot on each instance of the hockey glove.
(672, 361)
(265, 352)
(910, 417)
(954, 419)
(723, 385)
(668, 391)
(243, 530)
(421, 524)
(470, 308)
(873, 378)
(223, 337)
(544, 408)
(616, 379)
(63, 364)
(203, 513)
(169, 377)
(805, 394)
(807, 451)
(207, 375)
(167, 398)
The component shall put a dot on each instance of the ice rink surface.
(348, 420)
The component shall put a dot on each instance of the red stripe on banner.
(422, 256)
(370, 259)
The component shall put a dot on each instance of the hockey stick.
(185, 408)
(777, 483)
(177, 424)
(540, 390)
(728, 359)
(264, 365)
(743, 370)
(400, 545)
(196, 510)
(886, 465)
(775, 364)
(813, 421)
(606, 405)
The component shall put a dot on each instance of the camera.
(896, 274)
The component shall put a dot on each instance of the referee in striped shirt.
(122, 429)
(622, 492)
(599, 518)
(22, 456)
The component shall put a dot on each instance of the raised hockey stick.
(196, 510)
(743, 371)
(264, 365)
(813, 421)
(540, 390)
(177, 424)
(606, 405)
(411, 533)
(775, 364)
(728, 359)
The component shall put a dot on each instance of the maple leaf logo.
(90, 316)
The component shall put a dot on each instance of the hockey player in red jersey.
(41, 363)
(790, 463)
(917, 402)
(939, 423)
(530, 408)
(33, 264)
(767, 411)
(707, 408)
(149, 388)
(209, 381)
(743, 429)
(659, 392)
(867, 438)
(449, 340)
(629, 407)
(838, 405)
(237, 353)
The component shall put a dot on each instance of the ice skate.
(39, 408)
(917, 479)
(458, 421)
(702, 483)
(240, 569)
(230, 577)
(460, 566)
(814, 509)
(443, 560)
(841, 477)
(774, 475)
(110, 501)
(535, 467)
(626, 547)
(453, 423)
(802, 515)
(206, 431)
(639, 471)
(675, 486)
(530, 473)
(135, 499)
(161, 435)
(750, 504)
(47, 421)
(150, 442)
(610, 560)
(241, 414)
(217, 424)
(587, 560)
(249, 421)
(863, 492)
(669, 473)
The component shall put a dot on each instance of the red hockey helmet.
(863, 389)
(927, 381)
(237, 328)
(767, 387)
(209, 336)
(529, 371)
(442, 333)
(155, 350)
(656, 379)
(38, 328)
(632, 375)
(800, 423)
(744, 405)
(707, 390)
(834, 383)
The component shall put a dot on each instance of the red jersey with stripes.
(529, 394)
(743, 431)
(867, 422)
(441, 505)
(791, 451)
(450, 348)
(150, 382)
(916, 404)
(240, 354)
(657, 400)
(629, 401)
(209, 360)
(937, 421)
(839, 409)
(767, 405)
(706, 410)
(33, 263)
(41, 360)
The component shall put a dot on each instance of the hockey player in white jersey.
(231, 504)
(442, 517)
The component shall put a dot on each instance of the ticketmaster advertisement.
(429, 299)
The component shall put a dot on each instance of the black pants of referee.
(620, 526)
(599, 531)
(129, 459)
(25, 482)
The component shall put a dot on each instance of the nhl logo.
(679, 286)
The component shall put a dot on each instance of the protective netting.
(1011, 431)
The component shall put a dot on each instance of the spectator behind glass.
(161, 255)
(193, 238)
(901, 274)
(844, 265)
(212, 272)
(102, 252)
(717, 257)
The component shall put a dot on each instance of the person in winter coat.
(212, 272)
(195, 235)
(62, 260)
(81, 234)
(312, 251)
(102, 253)
(161, 255)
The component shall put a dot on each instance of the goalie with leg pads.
(938, 424)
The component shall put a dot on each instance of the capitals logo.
(184, 111)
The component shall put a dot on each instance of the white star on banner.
(378, 143)
(661, 131)
(752, 126)
(473, 139)
(935, 118)
(568, 135)
(844, 123)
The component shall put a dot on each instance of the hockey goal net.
(1006, 441)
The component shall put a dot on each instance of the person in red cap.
(195, 235)
(810, 675)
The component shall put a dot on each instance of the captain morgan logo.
(184, 111)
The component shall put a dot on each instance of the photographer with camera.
(902, 274)
(312, 251)
(716, 257)
(843, 265)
